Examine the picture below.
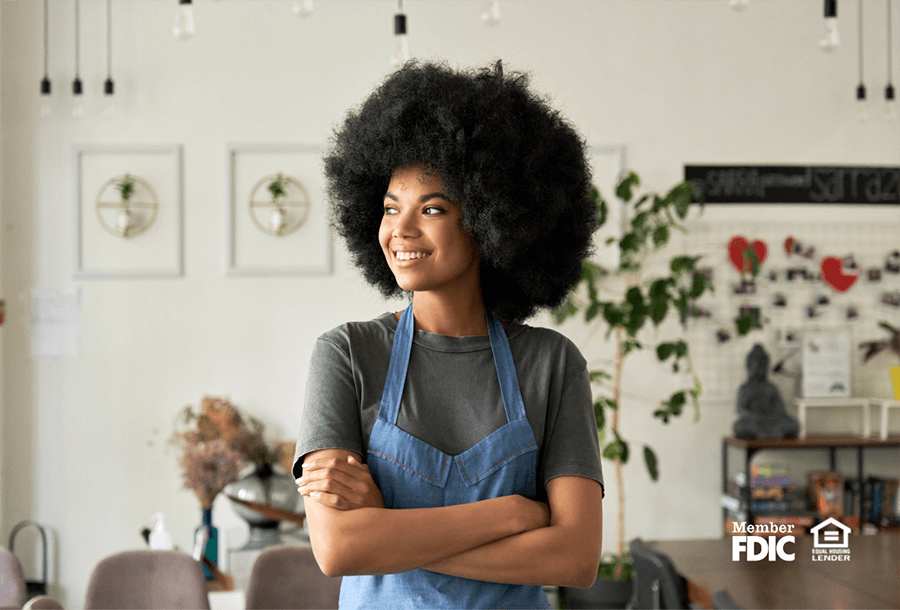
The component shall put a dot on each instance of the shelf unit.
(831, 443)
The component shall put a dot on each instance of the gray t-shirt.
(451, 399)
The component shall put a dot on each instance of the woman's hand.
(343, 485)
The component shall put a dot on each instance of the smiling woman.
(435, 478)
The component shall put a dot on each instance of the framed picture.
(129, 211)
(277, 217)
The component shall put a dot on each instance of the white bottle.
(159, 535)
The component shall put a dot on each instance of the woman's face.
(422, 236)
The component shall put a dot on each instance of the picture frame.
(156, 252)
(253, 249)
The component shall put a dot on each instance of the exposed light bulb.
(303, 8)
(862, 109)
(109, 98)
(401, 45)
(77, 99)
(184, 20)
(832, 39)
(738, 5)
(890, 104)
(45, 97)
(492, 16)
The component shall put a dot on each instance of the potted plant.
(125, 187)
(641, 300)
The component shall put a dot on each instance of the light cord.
(76, 40)
(109, 39)
(46, 37)
(889, 42)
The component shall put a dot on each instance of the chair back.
(657, 584)
(12, 581)
(289, 578)
(146, 579)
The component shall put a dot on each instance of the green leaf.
(664, 350)
(698, 286)
(628, 345)
(651, 462)
(630, 242)
(564, 311)
(682, 264)
(602, 213)
(592, 311)
(617, 448)
(745, 323)
(596, 376)
(660, 236)
(626, 186)
(599, 415)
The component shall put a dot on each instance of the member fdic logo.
(754, 546)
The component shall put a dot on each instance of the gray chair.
(134, 580)
(12, 581)
(288, 578)
(657, 584)
(723, 601)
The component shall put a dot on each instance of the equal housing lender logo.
(769, 541)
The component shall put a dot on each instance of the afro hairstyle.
(518, 167)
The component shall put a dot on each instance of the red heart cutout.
(834, 276)
(737, 253)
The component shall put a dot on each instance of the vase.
(263, 486)
(211, 550)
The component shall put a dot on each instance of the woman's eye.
(388, 211)
(431, 210)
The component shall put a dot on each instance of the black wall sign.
(794, 184)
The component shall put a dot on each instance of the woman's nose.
(406, 225)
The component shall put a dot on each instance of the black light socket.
(830, 8)
(45, 86)
(861, 93)
(185, 2)
(108, 87)
(889, 93)
(76, 86)
(399, 24)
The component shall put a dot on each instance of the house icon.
(830, 534)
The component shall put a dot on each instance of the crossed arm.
(510, 539)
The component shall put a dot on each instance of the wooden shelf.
(836, 440)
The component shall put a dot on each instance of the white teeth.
(405, 256)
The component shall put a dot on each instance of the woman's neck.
(452, 315)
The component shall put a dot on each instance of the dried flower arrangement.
(217, 442)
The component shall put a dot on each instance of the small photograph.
(745, 287)
(852, 312)
(773, 276)
(700, 312)
(779, 301)
(812, 312)
(787, 337)
(723, 336)
(753, 312)
(892, 264)
(706, 272)
(873, 274)
(794, 275)
(891, 299)
(850, 265)
(822, 299)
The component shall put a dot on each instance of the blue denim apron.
(412, 474)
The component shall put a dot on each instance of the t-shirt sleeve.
(571, 445)
(330, 416)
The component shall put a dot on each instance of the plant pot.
(603, 594)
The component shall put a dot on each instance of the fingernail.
(301, 490)
(313, 494)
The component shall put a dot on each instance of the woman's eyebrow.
(422, 199)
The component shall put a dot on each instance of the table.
(870, 579)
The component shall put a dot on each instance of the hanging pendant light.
(862, 111)
(831, 39)
(303, 8)
(45, 82)
(184, 20)
(401, 45)
(738, 5)
(492, 16)
(77, 99)
(109, 88)
(890, 102)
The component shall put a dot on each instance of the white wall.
(84, 437)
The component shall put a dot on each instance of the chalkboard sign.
(819, 184)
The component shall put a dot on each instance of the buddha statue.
(761, 412)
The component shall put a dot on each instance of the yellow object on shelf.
(895, 378)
